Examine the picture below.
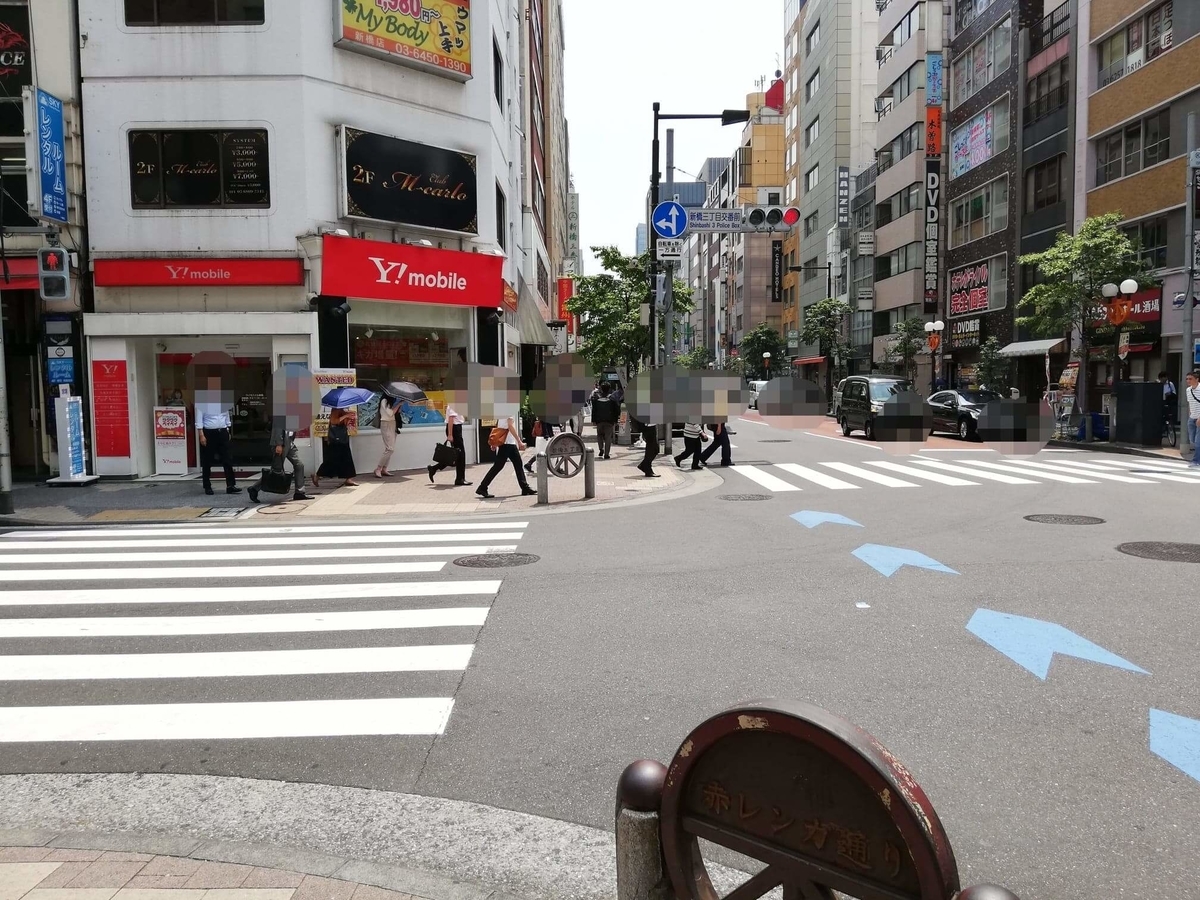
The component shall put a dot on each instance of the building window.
(16, 194)
(899, 204)
(812, 132)
(903, 259)
(967, 11)
(909, 25)
(1044, 186)
(813, 85)
(901, 146)
(194, 12)
(985, 136)
(988, 58)
(773, 198)
(814, 38)
(811, 177)
(811, 224)
(1135, 147)
(199, 169)
(1150, 238)
(811, 270)
(501, 219)
(979, 213)
(903, 86)
(1145, 38)
(1048, 92)
(497, 73)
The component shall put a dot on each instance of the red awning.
(22, 274)
(808, 361)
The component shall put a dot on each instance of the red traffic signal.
(791, 216)
(772, 218)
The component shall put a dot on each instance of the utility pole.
(652, 235)
(1187, 355)
(6, 502)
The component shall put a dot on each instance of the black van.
(863, 397)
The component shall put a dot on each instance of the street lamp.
(1118, 312)
(767, 365)
(934, 330)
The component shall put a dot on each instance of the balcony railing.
(883, 57)
(866, 178)
(1050, 29)
(1044, 105)
(883, 110)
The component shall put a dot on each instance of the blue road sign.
(670, 220)
(1176, 739)
(890, 560)
(811, 519)
(51, 157)
(1032, 643)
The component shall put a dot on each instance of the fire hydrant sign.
(170, 440)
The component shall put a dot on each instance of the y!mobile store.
(154, 316)
(412, 309)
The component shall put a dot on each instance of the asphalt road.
(637, 623)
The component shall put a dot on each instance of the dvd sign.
(965, 333)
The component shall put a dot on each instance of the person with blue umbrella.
(338, 459)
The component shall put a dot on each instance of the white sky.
(619, 62)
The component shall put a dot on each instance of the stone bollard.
(543, 479)
(986, 892)
(589, 474)
(641, 874)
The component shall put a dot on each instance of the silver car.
(755, 387)
(837, 399)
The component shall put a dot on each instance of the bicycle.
(1170, 430)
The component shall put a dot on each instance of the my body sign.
(376, 270)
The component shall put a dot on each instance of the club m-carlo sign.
(391, 180)
(15, 71)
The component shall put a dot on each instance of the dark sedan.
(958, 411)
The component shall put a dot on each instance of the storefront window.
(410, 363)
(251, 413)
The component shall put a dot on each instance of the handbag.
(275, 480)
(537, 428)
(445, 454)
(339, 434)
(497, 437)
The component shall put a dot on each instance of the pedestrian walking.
(506, 441)
(541, 429)
(1192, 392)
(339, 460)
(214, 422)
(720, 442)
(454, 437)
(694, 438)
(389, 425)
(605, 413)
(284, 443)
(650, 437)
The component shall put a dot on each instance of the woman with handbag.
(389, 424)
(339, 460)
(506, 441)
(453, 452)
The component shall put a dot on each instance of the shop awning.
(22, 274)
(1031, 348)
(808, 361)
(529, 322)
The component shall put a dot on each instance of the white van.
(755, 387)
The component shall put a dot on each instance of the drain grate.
(746, 462)
(1164, 552)
(223, 512)
(776, 441)
(496, 560)
(1064, 520)
(744, 498)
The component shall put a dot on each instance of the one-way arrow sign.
(890, 560)
(1176, 739)
(811, 519)
(1032, 643)
(670, 220)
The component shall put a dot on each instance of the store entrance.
(21, 374)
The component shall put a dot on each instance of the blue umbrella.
(346, 397)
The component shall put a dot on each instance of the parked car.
(837, 399)
(863, 397)
(958, 412)
(755, 387)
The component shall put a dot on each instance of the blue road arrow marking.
(890, 560)
(1176, 739)
(1032, 643)
(669, 219)
(811, 519)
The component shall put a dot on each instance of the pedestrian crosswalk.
(919, 471)
(218, 632)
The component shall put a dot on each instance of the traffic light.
(772, 218)
(54, 273)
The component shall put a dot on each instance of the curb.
(1104, 447)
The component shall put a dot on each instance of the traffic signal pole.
(1188, 355)
(6, 503)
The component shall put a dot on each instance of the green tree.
(993, 369)
(1069, 298)
(698, 358)
(759, 340)
(908, 340)
(824, 323)
(609, 306)
(734, 365)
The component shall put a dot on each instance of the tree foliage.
(698, 358)
(759, 340)
(908, 340)
(608, 307)
(993, 370)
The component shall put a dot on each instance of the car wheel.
(964, 430)
(845, 426)
(869, 430)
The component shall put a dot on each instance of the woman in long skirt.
(339, 460)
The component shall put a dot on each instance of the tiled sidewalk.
(42, 873)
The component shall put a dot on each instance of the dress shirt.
(211, 415)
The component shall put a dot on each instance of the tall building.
(640, 241)
(268, 224)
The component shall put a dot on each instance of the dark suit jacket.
(281, 435)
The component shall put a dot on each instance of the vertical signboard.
(934, 79)
(933, 218)
(566, 290)
(170, 440)
(777, 271)
(45, 147)
(572, 263)
(110, 407)
(843, 197)
(71, 461)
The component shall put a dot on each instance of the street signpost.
(670, 219)
(710, 220)
(670, 249)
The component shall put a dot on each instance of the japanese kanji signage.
(933, 243)
(843, 196)
(965, 333)
(572, 254)
(969, 289)
(434, 35)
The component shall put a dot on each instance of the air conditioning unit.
(880, 104)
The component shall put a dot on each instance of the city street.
(360, 655)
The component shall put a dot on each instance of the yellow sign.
(434, 35)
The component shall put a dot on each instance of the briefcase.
(276, 481)
(445, 454)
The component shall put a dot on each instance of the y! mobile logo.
(394, 272)
(183, 273)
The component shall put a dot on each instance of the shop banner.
(110, 407)
(197, 272)
(170, 440)
(933, 242)
(933, 132)
(512, 299)
(972, 144)
(325, 380)
(843, 197)
(566, 292)
(391, 180)
(433, 35)
(71, 460)
(969, 289)
(15, 69)
(1144, 307)
(49, 177)
(404, 273)
(934, 81)
(966, 333)
(777, 271)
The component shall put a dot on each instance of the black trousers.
(460, 464)
(216, 449)
(650, 436)
(691, 447)
(721, 441)
(506, 453)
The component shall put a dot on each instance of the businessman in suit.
(283, 441)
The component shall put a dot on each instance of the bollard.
(543, 480)
(641, 874)
(987, 892)
(589, 474)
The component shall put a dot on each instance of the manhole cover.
(776, 441)
(223, 512)
(1189, 553)
(496, 560)
(745, 498)
(1065, 520)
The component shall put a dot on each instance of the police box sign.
(933, 213)
(965, 333)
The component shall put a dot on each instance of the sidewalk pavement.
(1171, 453)
(618, 481)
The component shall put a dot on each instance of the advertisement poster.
(972, 144)
(325, 381)
(433, 35)
(969, 289)
(110, 407)
(170, 440)
(965, 333)
(934, 79)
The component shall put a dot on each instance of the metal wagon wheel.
(565, 455)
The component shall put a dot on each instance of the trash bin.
(1139, 413)
(1099, 427)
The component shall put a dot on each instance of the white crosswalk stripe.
(1081, 469)
(276, 610)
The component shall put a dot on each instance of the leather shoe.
(233, 490)
(463, 483)
(253, 495)
(208, 491)
(300, 495)
(430, 470)
(528, 492)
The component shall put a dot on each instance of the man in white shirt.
(454, 437)
(1192, 393)
(213, 422)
